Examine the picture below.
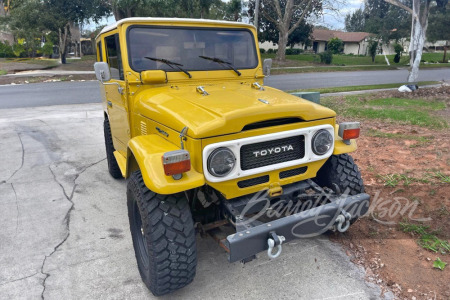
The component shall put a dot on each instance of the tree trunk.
(282, 42)
(445, 52)
(256, 15)
(418, 31)
(63, 35)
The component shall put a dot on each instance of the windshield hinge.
(202, 91)
(256, 85)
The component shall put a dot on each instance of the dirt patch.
(404, 169)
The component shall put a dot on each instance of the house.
(354, 42)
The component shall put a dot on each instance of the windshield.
(184, 46)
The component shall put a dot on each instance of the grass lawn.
(35, 61)
(421, 112)
(359, 87)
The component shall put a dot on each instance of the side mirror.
(102, 71)
(153, 77)
(267, 65)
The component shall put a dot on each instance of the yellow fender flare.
(147, 151)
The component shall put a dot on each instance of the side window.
(114, 57)
(99, 51)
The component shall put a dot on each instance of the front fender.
(147, 151)
(339, 146)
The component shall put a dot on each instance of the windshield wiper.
(220, 61)
(171, 64)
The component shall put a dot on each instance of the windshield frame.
(215, 28)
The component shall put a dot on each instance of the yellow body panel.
(147, 118)
(148, 151)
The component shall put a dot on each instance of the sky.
(329, 19)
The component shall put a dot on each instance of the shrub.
(326, 57)
(335, 45)
(6, 50)
(290, 51)
(398, 48)
(19, 50)
(398, 52)
(47, 49)
(373, 46)
(270, 51)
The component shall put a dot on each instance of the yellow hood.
(227, 108)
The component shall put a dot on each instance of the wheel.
(113, 167)
(341, 171)
(163, 237)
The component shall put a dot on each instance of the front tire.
(163, 237)
(342, 172)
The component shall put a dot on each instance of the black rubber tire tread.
(170, 235)
(342, 171)
(113, 167)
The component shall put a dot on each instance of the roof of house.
(326, 35)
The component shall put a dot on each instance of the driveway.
(65, 231)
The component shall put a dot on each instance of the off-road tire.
(341, 170)
(113, 167)
(163, 237)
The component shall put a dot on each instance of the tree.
(336, 45)
(439, 24)
(61, 14)
(269, 32)
(25, 23)
(419, 11)
(234, 8)
(286, 16)
(386, 21)
(355, 22)
(372, 48)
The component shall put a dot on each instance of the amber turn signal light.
(350, 134)
(348, 131)
(176, 162)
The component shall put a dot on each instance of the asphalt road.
(59, 93)
(65, 234)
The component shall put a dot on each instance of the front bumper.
(249, 240)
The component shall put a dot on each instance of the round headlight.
(322, 142)
(221, 162)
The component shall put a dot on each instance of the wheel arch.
(145, 154)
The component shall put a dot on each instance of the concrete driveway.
(65, 234)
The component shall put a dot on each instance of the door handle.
(109, 103)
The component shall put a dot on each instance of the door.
(116, 96)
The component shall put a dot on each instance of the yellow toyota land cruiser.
(208, 149)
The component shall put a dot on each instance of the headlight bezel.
(316, 136)
(215, 152)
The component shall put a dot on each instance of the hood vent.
(270, 123)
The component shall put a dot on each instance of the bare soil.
(391, 257)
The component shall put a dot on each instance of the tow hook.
(343, 218)
(274, 241)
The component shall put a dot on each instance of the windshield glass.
(184, 46)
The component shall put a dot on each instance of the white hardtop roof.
(170, 20)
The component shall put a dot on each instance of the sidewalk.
(48, 73)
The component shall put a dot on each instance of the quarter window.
(114, 56)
